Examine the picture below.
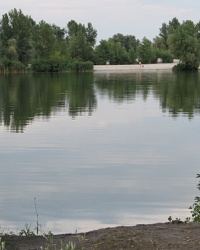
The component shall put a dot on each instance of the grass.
(50, 245)
(37, 231)
(2, 244)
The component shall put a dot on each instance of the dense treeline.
(43, 47)
(46, 47)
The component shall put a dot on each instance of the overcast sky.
(129, 17)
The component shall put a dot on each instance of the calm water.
(98, 150)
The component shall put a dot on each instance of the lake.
(98, 150)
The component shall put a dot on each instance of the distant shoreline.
(134, 67)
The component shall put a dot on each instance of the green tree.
(173, 25)
(91, 35)
(102, 52)
(22, 29)
(146, 52)
(79, 49)
(5, 33)
(128, 42)
(43, 40)
(81, 40)
(165, 31)
(15, 25)
(185, 45)
(12, 49)
(158, 43)
(110, 51)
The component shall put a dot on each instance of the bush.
(80, 66)
(185, 67)
(195, 208)
(7, 65)
(48, 65)
(18, 66)
(59, 65)
(165, 55)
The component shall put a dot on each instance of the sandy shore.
(134, 67)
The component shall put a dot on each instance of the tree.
(185, 45)
(5, 33)
(58, 32)
(91, 34)
(119, 49)
(166, 30)
(43, 40)
(81, 40)
(12, 49)
(102, 52)
(173, 25)
(110, 51)
(128, 42)
(15, 25)
(158, 43)
(146, 52)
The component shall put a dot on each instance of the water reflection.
(24, 97)
(182, 95)
(178, 93)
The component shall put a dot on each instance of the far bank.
(134, 67)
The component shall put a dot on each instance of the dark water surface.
(99, 149)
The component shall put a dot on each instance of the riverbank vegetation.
(43, 47)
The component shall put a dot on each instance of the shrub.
(195, 208)
(17, 66)
(80, 66)
(58, 65)
(165, 55)
(7, 65)
(48, 65)
(185, 67)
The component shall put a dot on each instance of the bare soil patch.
(161, 236)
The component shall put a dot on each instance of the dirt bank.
(162, 236)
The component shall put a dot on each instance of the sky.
(141, 18)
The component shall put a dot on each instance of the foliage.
(146, 52)
(111, 51)
(2, 244)
(119, 49)
(195, 208)
(21, 39)
(50, 48)
(50, 245)
(81, 41)
(59, 65)
(80, 66)
(185, 45)
(166, 30)
(7, 65)
(15, 25)
(128, 42)
(49, 65)
(185, 67)
(165, 55)
(43, 40)
(27, 231)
